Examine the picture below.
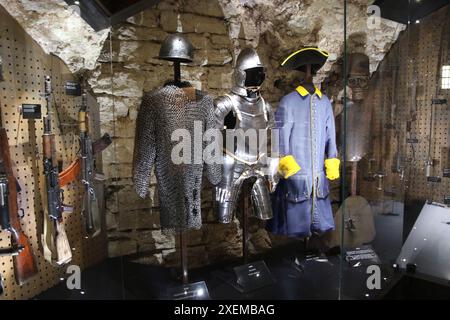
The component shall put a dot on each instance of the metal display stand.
(187, 291)
(249, 276)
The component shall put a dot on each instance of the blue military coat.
(301, 204)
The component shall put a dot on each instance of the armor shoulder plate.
(224, 105)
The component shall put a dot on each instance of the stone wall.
(59, 30)
(124, 66)
(133, 223)
(275, 31)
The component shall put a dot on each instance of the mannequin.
(305, 119)
(308, 81)
(175, 106)
(244, 162)
(359, 225)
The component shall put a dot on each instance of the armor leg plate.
(262, 208)
(225, 192)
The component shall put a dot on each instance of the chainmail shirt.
(179, 185)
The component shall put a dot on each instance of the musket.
(91, 209)
(55, 243)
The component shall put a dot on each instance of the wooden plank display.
(24, 66)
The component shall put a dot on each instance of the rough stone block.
(202, 24)
(219, 57)
(121, 128)
(199, 41)
(260, 241)
(126, 83)
(220, 77)
(111, 221)
(121, 247)
(169, 20)
(110, 106)
(139, 52)
(141, 219)
(220, 41)
(150, 259)
(122, 151)
(204, 7)
(147, 18)
(126, 200)
(154, 240)
(117, 171)
(130, 33)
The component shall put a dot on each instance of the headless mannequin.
(256, 77)
(190, 92)
(308, 84)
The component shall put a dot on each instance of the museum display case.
(224, 150)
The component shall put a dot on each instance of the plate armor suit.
(247, 160)
(179, 185)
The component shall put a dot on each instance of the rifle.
(399, 157)
(54, 240)
(23, 257)
(91, 209)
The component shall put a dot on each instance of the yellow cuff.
(288, 167)
(332, 168)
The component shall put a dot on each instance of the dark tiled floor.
(122, 279)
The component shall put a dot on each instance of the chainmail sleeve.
(213, 168)
(144, 146)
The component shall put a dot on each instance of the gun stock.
(24, 262)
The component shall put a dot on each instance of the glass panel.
(397, 73)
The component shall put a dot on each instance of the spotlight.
(200, 292)
(75, 8)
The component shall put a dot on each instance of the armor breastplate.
(250, 114)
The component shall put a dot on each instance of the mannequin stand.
(304, 257)
(249, 276)
(187, 291)
(184, 257)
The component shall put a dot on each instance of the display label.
(446, 173)
(447, 199)
(192, 291)
(31, 111)
(253, 276)
(362, 256)
(73, 88)
(434, 179)
(439, 101)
